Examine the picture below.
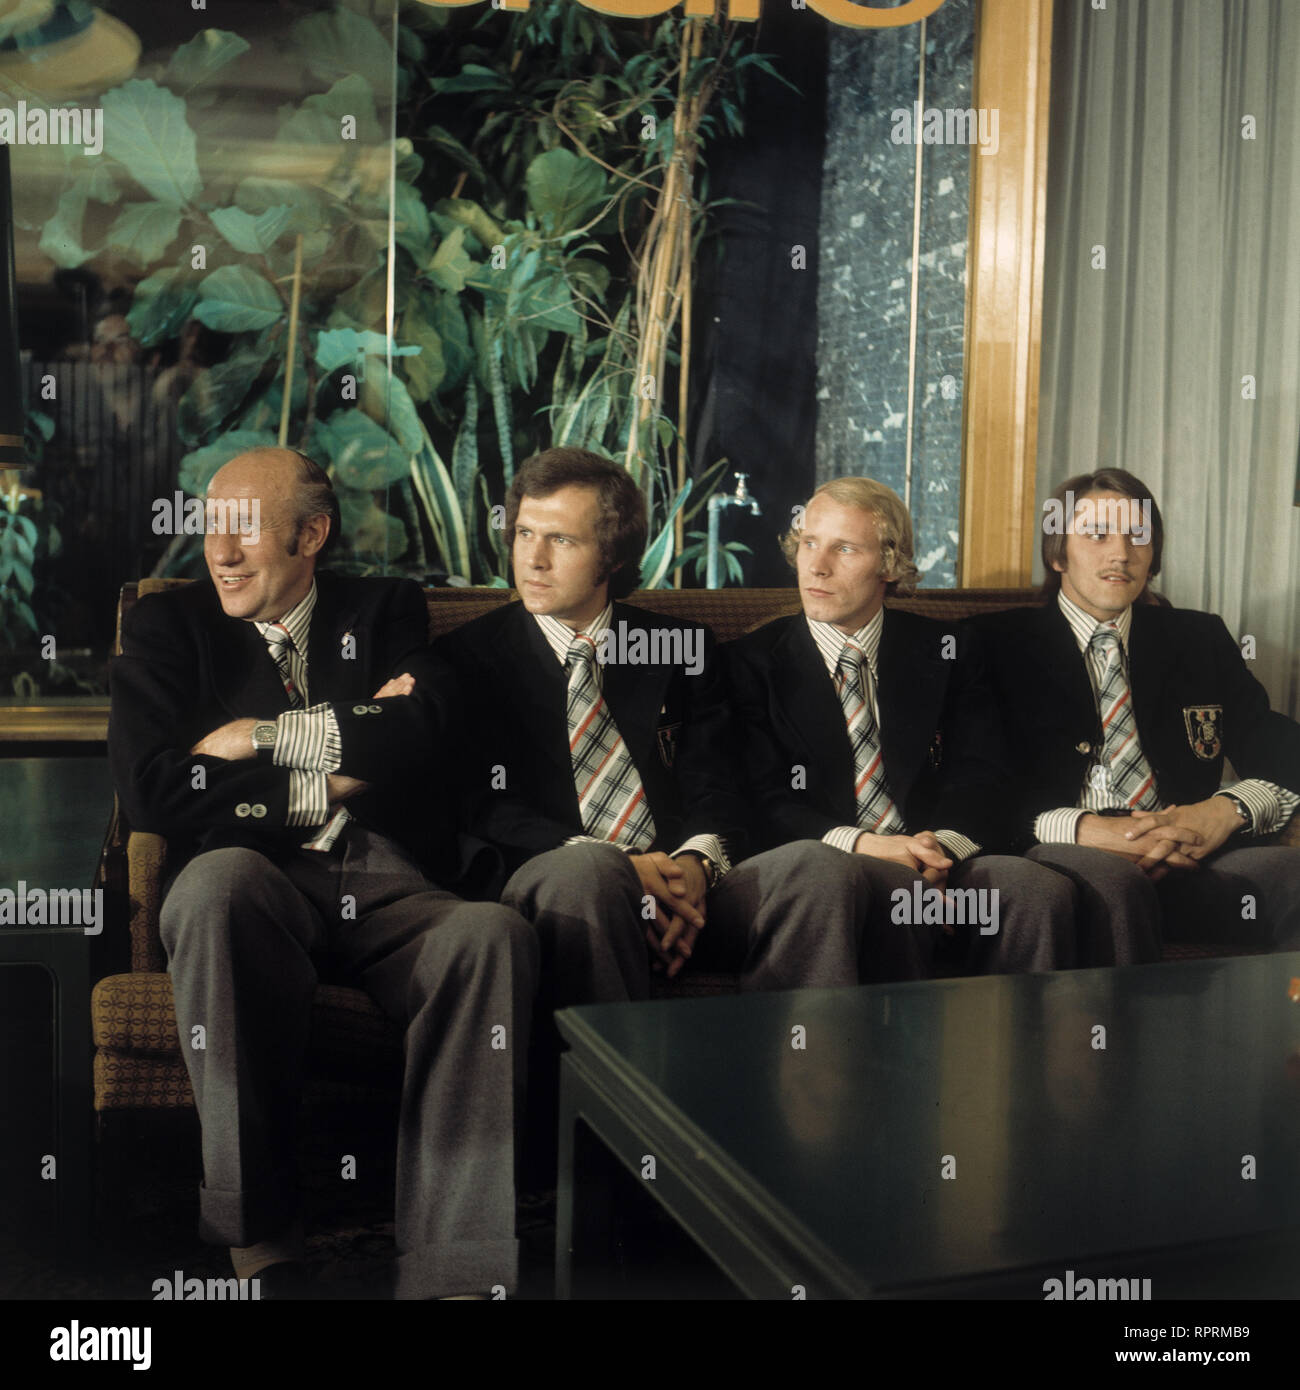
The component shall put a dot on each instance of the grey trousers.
(1249, 896)
(859, 922)
(802, 916)
(244, 937)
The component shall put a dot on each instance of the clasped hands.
(234, 741)
(1178, 837)
(678, 887)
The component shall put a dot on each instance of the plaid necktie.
(876, 809)
(279, 643)
(1128, 772)
(611, 798)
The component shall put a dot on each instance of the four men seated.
(851, 794)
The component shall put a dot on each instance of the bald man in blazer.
(287, 732)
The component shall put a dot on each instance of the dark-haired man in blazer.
(1119, 712)
(872, 743)
(283, 729)
(603, 767)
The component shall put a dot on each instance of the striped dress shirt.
(307, 740)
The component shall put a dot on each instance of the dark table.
(960, 1137)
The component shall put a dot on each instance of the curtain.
(1180, 359)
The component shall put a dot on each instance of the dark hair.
(315, 497)
(621, 528)
(1105, 480)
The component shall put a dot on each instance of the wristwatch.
(711, 872)
(1247, 820)
(264, 739)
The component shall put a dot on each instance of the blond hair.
(893, 526)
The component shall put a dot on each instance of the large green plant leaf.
(143, 231)
(249, 234)
(425, 372)
(146, 131)
(161, 306)
(364, 454)
(387, 400)
(367, 528)
(411, 221)
(218, 392)
(319, 120)
(473, 77)
(451, 266)
(564, 189)
(306, 206)
(341, 43)
(437, 495)
(469, 214)
(453, 334)
(206, 54)
(236, 299)
(198, 466)
(61, 235)
(338, 347)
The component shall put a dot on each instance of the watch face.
(264, 735)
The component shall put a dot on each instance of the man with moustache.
(871, 731)
(283, 728)
(1119, 712)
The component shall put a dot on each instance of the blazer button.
(257, 810)
(1083, 747)
(243, 810)
(376, 709)
(358, 709)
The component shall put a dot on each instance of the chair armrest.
(146, 856)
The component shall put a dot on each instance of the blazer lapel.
(910, 696)
(806, 699)
(526, 665)
(245, 679)
(1149, 663)
(1054, 657)
(635, 695)
(331, 675)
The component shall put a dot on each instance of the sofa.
(355, 1053)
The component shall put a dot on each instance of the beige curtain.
(1144, 360)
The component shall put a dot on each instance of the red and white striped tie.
(1128, 774)
(611, 798)
(876, 809)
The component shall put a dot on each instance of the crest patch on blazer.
(1204, 730)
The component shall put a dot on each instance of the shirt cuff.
(308, 739)
(1058, 827)
(1270, 806)
(709, 847)
(308, 798)
(843, 837)
(960, 847)
(596, 840)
